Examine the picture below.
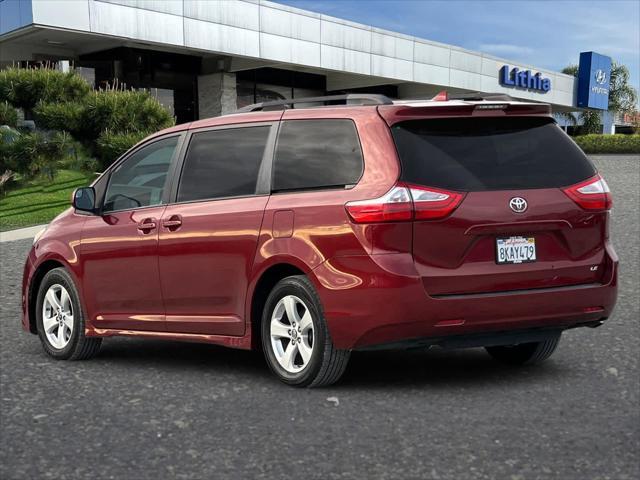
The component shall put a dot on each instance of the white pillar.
(608, 123)
(63, 66)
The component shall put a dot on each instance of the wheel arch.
(38, 275)
(265, 283)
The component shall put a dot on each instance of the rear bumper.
(380, 299)
(482, 339)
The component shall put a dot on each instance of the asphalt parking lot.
(153, 410)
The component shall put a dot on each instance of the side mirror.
(84, 199)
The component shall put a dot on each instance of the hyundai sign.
(526, 79)
(593, 81)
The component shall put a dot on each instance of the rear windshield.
(471, 154)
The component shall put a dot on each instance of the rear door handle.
(174, 222)
(147, 224)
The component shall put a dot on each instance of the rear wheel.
(295, 337)
(60, 320)
(525, 353)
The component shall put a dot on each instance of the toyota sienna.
(361, 223)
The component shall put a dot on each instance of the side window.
(139, 181)
(315, 154)
(223, 163)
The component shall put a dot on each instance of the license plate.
(515, 250)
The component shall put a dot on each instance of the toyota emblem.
(518, 204)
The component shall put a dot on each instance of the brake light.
(442, 96)
(393, 206)
(405, 202)
(431, 203)
(592, 194)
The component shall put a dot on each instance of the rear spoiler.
(444, 96)
(393, 114)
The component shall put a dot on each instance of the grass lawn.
(40, 200)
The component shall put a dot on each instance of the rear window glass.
(471, 154)
(314, 154)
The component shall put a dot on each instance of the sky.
(542, 33)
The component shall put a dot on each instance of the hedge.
(609, 143)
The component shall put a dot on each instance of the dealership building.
(203, 58)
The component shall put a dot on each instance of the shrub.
(122, 111)
(59, 116)
(7, 137)
(8, 115)
(108, 122)
(609, 143)
(25, 87)
(111, 145)
(34, 153)
(80, 159)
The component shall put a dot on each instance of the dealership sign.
(526, 79)
(593, 80)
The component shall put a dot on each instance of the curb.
(20, 234)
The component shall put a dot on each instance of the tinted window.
(489, 154)
(139, 181)
(316, 154)
(223, 163)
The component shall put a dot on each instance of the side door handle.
(147, 225)
(173, 222)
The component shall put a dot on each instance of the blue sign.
(526, 79)
(593, 80)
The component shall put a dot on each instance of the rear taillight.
(405, 202)
(431, 203)
(592, 194)
(393, 206)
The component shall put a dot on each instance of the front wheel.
(525, 353)
(60, 320)
(295, 337)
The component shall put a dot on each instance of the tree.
(590, 119)
(622, 98)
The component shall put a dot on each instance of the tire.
(525, 353)
(71, 344)
(325, 364)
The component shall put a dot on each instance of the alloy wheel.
(292, 333)
(57, 316)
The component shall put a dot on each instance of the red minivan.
(363, 223)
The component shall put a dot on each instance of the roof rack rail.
(348, 99)
(480, 96)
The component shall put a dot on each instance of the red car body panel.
(119, 267)
(205, 264)
(457, 255)
(378, 299)
(378, 283)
